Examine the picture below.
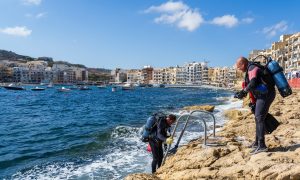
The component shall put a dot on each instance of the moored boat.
(127, 87)
(74, 87)
(158, 85)
(50, 85)
(101, 86)
(85, 88)
(37, 89)
(13, 87)
(63, 89)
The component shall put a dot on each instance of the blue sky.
(134, 33)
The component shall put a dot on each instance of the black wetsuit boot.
(263, 104)
(254, 144)
(157, 153)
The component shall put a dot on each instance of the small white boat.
(63, 89)
(114, 89)
(37, 89)
(74, 87)
(84, 88)
(158, 85)
(50, 85)
(101, 86)
(128, 87)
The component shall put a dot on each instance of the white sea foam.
(127, 153)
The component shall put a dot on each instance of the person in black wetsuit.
(259, 84)
(159, 135)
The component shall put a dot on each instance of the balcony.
(294, 60)
(295, 43)
(296, 51)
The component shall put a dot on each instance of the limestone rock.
(231, 160)
(141, 176)
(208, 108)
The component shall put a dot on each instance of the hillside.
(11, 56)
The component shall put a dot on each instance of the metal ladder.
(184, 128)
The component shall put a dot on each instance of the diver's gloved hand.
(252, 107)
(165, 147)
(169, 140)
(240, 95)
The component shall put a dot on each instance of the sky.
(133, 33)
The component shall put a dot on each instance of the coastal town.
(27, 70)
(45, 70)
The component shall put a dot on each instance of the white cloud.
(16, 31)
(37, 16)
(32, 2)
(168, 7)
(273, 30)
(40, 15)
(247, 20)
(226, 20)
(178, 14)
(191, 20)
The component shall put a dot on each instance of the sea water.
(90, 134)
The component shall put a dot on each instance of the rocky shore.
(230, 158)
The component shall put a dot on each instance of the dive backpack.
(273, 75)
(151, 126)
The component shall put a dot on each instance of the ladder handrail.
(187, 120)
(214, 128)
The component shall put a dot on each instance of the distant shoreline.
(194, 86)
(165, 85)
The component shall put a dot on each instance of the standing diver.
(261, 86)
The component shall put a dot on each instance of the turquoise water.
(83, 134)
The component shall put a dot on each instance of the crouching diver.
(262, 86)
(158, 135)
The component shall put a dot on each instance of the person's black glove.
(252, 107)
(165, 147)
(240, 95)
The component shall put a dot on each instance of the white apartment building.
(48, 75)
(30, 72)
(180, 75)
(194, 72)
(21, 74)
(36, 71)
(191, 73)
